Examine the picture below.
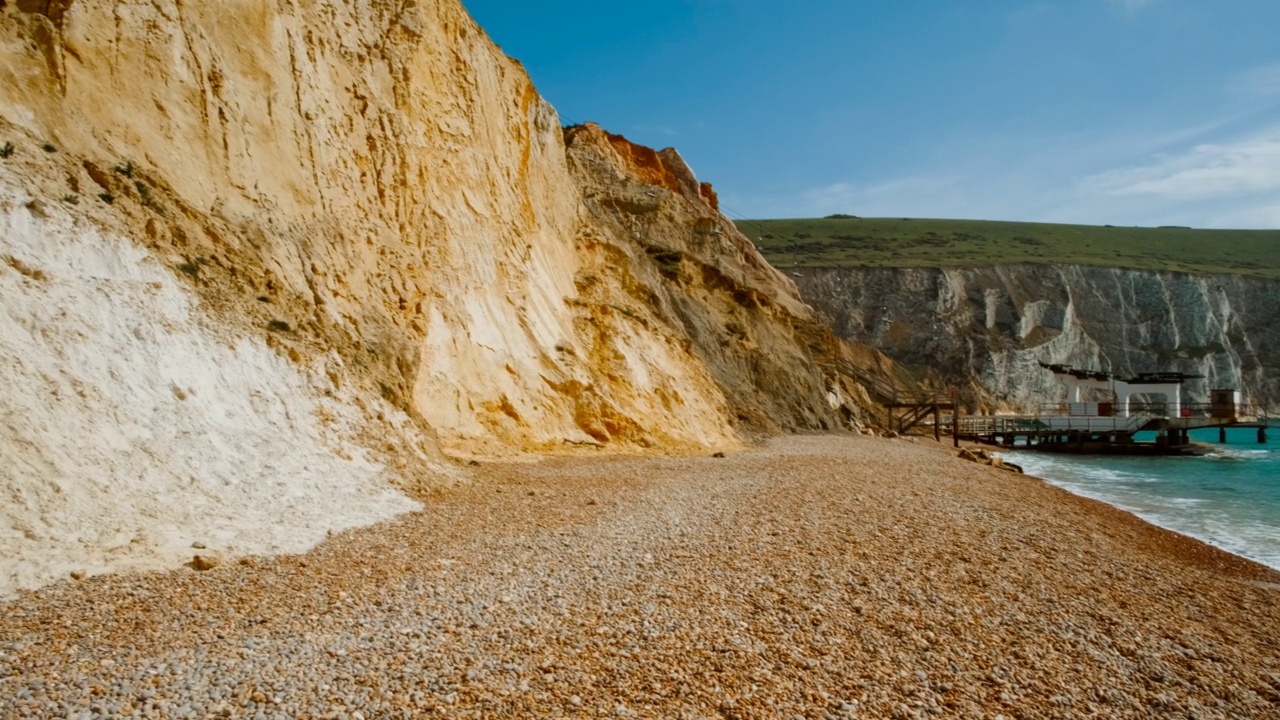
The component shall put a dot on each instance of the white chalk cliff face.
(342, 240)
(986, 329)
(131, 429)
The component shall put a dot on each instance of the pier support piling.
(1222, 435)
(1262, 435)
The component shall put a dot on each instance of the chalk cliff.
(344, 244)
(986, 329)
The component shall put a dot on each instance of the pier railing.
(914, 399)
(974, 425)
(988, 425)
(1243, 412)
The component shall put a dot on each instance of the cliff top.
(842, 241)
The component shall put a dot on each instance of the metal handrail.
(1242, 410)
(1008, 424)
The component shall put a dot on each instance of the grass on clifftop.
(899, 242)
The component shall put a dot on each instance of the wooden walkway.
(1053, 428)
(1093, 434)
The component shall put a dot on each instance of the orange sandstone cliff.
(247, 246)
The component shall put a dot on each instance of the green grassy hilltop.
(844, 241)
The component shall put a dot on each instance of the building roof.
(1149, 378)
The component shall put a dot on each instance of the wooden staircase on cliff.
(904, 409)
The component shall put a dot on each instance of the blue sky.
(1128, 112)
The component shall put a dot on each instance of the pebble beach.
(811, 577)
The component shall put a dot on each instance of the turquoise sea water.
(1229, 498)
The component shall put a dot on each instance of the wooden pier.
(1121, 409)
(1052, 431)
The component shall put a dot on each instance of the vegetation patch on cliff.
(847, 241)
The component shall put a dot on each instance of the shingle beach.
(813, 577)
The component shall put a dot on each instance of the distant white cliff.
(985, 330)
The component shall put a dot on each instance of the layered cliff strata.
(689, 270)
(986, 329)
(372, 210)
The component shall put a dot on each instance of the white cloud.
(1260, 214)
(885, 198)
(1210, 173)
(1132, 6)
(665, 130)
(1247, 166)
(1263, 81)
(836, 195)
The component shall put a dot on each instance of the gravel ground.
(815, 577)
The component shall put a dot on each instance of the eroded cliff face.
(986, 329)
(371, 210)
(680, 265)
(379, 179)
